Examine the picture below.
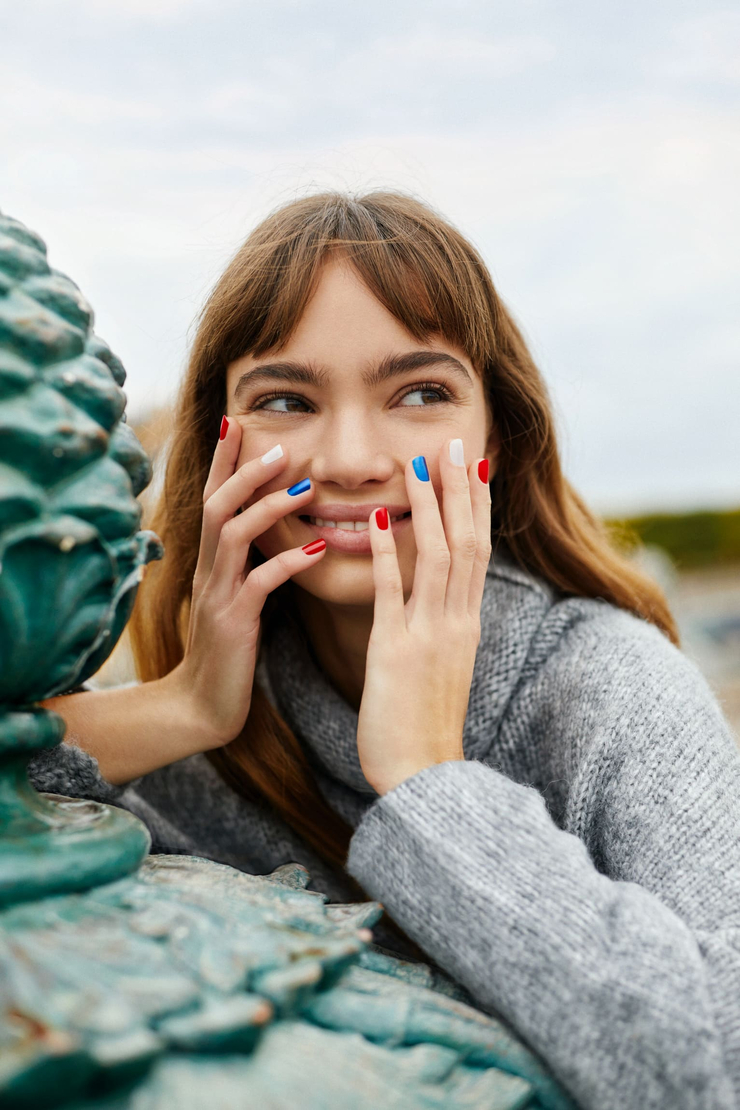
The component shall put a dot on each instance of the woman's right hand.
(216, 674)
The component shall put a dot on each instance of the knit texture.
(578, 873)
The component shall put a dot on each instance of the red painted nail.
(314, 547)
(224, 427)
(381, 518)
(483, 470)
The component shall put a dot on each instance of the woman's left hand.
(421, 652)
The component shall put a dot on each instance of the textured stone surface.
(191, 957)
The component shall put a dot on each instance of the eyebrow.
(308, 374)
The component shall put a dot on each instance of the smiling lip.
(344, 539)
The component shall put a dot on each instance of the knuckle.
(466, 545)
(485, 550)
(211, 513)
(438, 556)
(267, 575)
(393, 585)
(255, 580)
(275, 502)
(230, 532)
(202, 602)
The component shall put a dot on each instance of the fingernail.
(314, 547)
(224, 427)
(457, 454)
(483, 470)
(381, 518)
(420, 468)
(300, 487)
(272, 455)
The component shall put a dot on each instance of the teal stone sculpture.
(70, 559)
(135, 982)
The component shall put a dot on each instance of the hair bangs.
(424, 272)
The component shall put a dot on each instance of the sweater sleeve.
(70, 770)
(611, 939)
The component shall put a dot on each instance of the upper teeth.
(349, 525)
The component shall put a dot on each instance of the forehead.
(346, 330)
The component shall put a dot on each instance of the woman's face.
(351, 398)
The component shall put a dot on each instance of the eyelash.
(418, 387)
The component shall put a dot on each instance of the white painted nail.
(272, 455)
(457, 454)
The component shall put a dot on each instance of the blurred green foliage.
(691, 539)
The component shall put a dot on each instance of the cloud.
(704, 47)
(498, 55)
(596, 171)
(127, 11)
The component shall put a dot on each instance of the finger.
(433, 554)
(233, 491)
(224, 456)
(457, 514)
(480, 499)
(388, 614)
(273, 573)
(239, 532)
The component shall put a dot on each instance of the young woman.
(508, 750)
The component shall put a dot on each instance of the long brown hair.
(433, 281)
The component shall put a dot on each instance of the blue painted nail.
(300, 487)
(420, 468)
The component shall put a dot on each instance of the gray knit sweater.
(578, 872)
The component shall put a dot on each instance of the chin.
(340, 580)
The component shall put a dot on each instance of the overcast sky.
(591, 150)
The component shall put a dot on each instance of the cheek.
(256, 441)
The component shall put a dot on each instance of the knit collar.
(513, 605)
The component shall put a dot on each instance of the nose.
(351, 450)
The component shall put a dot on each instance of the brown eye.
(281, 402)
(423, 395)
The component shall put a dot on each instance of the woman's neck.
(339, 636)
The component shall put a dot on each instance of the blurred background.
(591, 150)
